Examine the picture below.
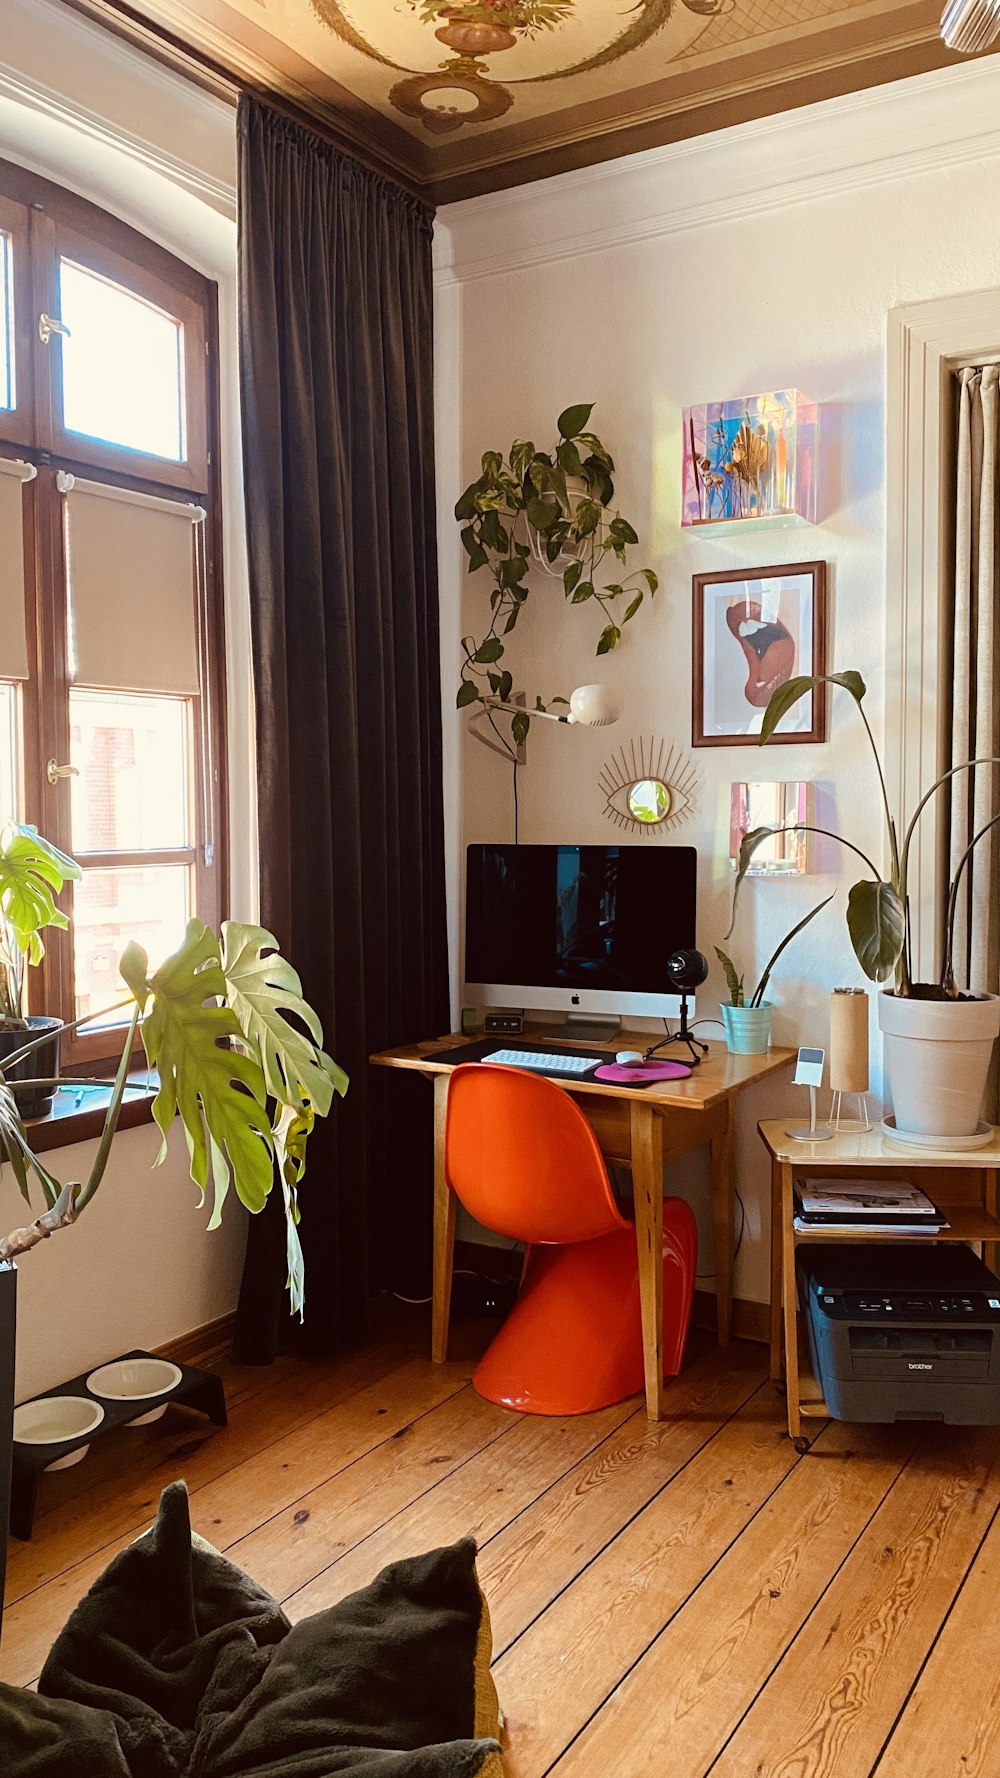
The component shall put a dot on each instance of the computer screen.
(577, 926)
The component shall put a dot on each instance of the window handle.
(54, 771)
(47, 326)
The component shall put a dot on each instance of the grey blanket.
(176, 1665)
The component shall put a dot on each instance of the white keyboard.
(542, 1062)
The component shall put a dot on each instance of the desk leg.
(791, 1305)
(776, 1347)
(723, 1215)
(444, 1229)
(647, 1187)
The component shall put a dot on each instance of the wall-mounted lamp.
(592, 706)
(970, 25)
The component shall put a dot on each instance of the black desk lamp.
(687, 970)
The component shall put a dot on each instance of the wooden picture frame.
(753, 629)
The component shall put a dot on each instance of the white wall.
(81, 108)
(757, 258)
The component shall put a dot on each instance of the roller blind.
(13, 635)
(132, 571)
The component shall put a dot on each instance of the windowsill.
(77, 1114)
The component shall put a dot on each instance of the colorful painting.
(751, 458)
(754, 629)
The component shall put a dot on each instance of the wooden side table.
(964, 1186)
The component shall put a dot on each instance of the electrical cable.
(418, 1301)
(705, 1277)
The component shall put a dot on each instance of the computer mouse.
(629, 1059)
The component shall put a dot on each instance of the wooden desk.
(964, 1187)
(641, 1128)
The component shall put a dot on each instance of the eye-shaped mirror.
(649, 800)
(648, 786)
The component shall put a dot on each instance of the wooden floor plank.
(480, 1499)
(719, 1649)
(525, 1565)
(289, 1550)
(828, 1709)
(558, 1674)
(494, 1489)
(182, 1443)
(950, 1726)
(678, 1600)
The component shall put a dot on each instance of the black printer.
(903, 1332)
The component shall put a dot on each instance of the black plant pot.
(42, 1064)
(8, 1321)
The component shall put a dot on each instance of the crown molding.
(928, 123)
(206, 116)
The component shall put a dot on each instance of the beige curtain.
(975, 727)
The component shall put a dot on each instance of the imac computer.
(578, 928)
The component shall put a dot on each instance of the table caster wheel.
(802, 1445)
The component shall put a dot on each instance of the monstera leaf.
(32, 872)
(291, 1131)
(218, 1091)
(262, 990)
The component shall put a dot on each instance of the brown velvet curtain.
(336, 378)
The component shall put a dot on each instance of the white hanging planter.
(937, 1057)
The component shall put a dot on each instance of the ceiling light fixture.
(970, 25)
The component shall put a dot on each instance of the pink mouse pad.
(621, 1074)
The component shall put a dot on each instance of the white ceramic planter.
(748, 1028)
(937, 1057)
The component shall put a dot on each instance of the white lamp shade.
(594, 705)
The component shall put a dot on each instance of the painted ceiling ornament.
(550, 40)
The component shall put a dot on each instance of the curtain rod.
(120, 20)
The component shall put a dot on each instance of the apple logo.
(574, 999)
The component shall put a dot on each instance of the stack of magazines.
(875, 1206)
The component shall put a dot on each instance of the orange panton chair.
(522, 1158)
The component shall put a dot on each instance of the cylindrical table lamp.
(849, 1013)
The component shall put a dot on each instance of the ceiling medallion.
(550, 40)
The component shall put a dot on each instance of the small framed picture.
(755, 628)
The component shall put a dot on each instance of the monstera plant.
(241, 1066)
(553, 509)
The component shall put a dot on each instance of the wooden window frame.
(17, 423)
(60, 224)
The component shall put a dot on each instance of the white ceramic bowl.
(135, 1379)
(53, 1418)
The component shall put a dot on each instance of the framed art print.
(755, 628)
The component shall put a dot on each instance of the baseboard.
(751, 1321)
(189, 1348)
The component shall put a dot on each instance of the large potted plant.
(938, 1038)
(32, 873)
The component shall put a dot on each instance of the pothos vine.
(554, 509)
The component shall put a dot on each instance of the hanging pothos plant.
(553, 509)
